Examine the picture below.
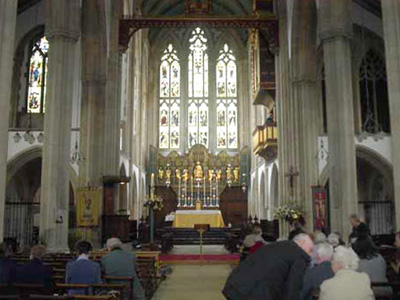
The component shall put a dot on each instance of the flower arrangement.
(290, 212)
(155, 202)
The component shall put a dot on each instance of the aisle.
(194, 283)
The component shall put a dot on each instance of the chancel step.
(190, 236)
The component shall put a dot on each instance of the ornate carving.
(129, 25)
(199, 7)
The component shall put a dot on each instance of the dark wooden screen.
(233, 205)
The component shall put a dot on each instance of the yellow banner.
(88, 204)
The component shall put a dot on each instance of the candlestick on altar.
(191, 190)
(186, 195)
(152, 186)
(204, 189)
(179, 192)
(216, 192)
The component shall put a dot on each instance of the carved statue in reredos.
(204, 167)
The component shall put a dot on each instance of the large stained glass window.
(170, 74)
(226, 81)
(198, 118)
(37, 76)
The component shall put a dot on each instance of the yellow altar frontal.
(188, 218)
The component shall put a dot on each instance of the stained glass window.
(198, 119)
(37, 76)
(196, 106)
(170, 76)
(226, 82)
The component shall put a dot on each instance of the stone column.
(304, 73)
(391, 28)
(288, 121)
(113, 95)
(62, 30)
(8, 16)
(335, 34)
(94, 68)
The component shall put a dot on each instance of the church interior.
(177, 125)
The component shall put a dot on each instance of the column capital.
(70, 35)
(334, 33)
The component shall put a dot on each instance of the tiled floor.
(188, 282)
(195, 249)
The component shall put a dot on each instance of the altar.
(188, 218)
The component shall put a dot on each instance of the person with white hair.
(347, 282)
(319, 237)
(121, 263)
(273, 272)
(334, 239)
(321, 271)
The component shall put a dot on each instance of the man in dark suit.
(35, 272)
(121, 263)
(274, 272)
(322, 271)
(82, 270)
(360, 229)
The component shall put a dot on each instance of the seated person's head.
(38, 252)
(365, 248)
(257, 230)
(113, 243)
(334, 239)
(345, 258)
(83, 247)
(319, 237)
(323, 252)
(5, 250)
(355, 220)
(304, 241)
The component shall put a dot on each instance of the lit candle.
(152, 186)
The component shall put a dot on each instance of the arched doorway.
(375, 192)
(22, 207)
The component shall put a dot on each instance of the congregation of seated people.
(317, 266)
(117, 267)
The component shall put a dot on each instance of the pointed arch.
(374, 99)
